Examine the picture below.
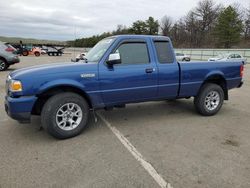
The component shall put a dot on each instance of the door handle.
(149, 70)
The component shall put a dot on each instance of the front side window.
(232, 56)
(164, 52)
(133, 53)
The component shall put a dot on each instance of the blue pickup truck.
(118, 70)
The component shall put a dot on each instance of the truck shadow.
(133, 113)
(155, 110)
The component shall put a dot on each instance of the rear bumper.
(241, 83)
(13, 60)
(20, 108)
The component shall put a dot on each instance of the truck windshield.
(96, 53)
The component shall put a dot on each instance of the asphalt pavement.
(142, 145)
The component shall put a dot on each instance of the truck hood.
(54, 68)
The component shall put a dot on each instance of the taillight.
(9, 49)
(241, 70)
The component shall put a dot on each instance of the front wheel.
(25, 52)
(65, 115)
(209, 100)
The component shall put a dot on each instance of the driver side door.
(134, 79)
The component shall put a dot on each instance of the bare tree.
(247, 24)
(166, 25)
(206, 14)
(192, 28)
(178, 33)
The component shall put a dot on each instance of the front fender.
(94, 97)
(60, 82)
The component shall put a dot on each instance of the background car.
(79, 57)
(26, 50)
(7, 57)
(36, 51)
(10, 48)
(182, 57)
(229, 57)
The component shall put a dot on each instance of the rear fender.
(217, 77)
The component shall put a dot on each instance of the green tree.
(139, 27)
(229, 27)
(148, 27)
(152, 26)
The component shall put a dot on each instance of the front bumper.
(20, 108)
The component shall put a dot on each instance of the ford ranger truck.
(116, 71)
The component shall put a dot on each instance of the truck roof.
(159, 37)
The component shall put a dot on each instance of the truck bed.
(193, 74)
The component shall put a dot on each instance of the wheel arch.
(43, 96)
(3, 58)
(218, 79)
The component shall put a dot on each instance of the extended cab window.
(133, 53)
(164, 52)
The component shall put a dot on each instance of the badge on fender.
(90, 75)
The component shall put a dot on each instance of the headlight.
(15, 86)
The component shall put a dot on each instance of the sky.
(70, 19)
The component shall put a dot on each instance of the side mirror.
(114, 59)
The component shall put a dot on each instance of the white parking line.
(137, 155)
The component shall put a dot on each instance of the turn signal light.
(15, 86)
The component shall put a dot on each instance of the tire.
(185, 59)
(51, 115)
(37, 54)
(25, 53)
(209, 100)
(3, 65)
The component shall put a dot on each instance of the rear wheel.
(37, 54)
(209, 100)
(3, 65)
(65, 115)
